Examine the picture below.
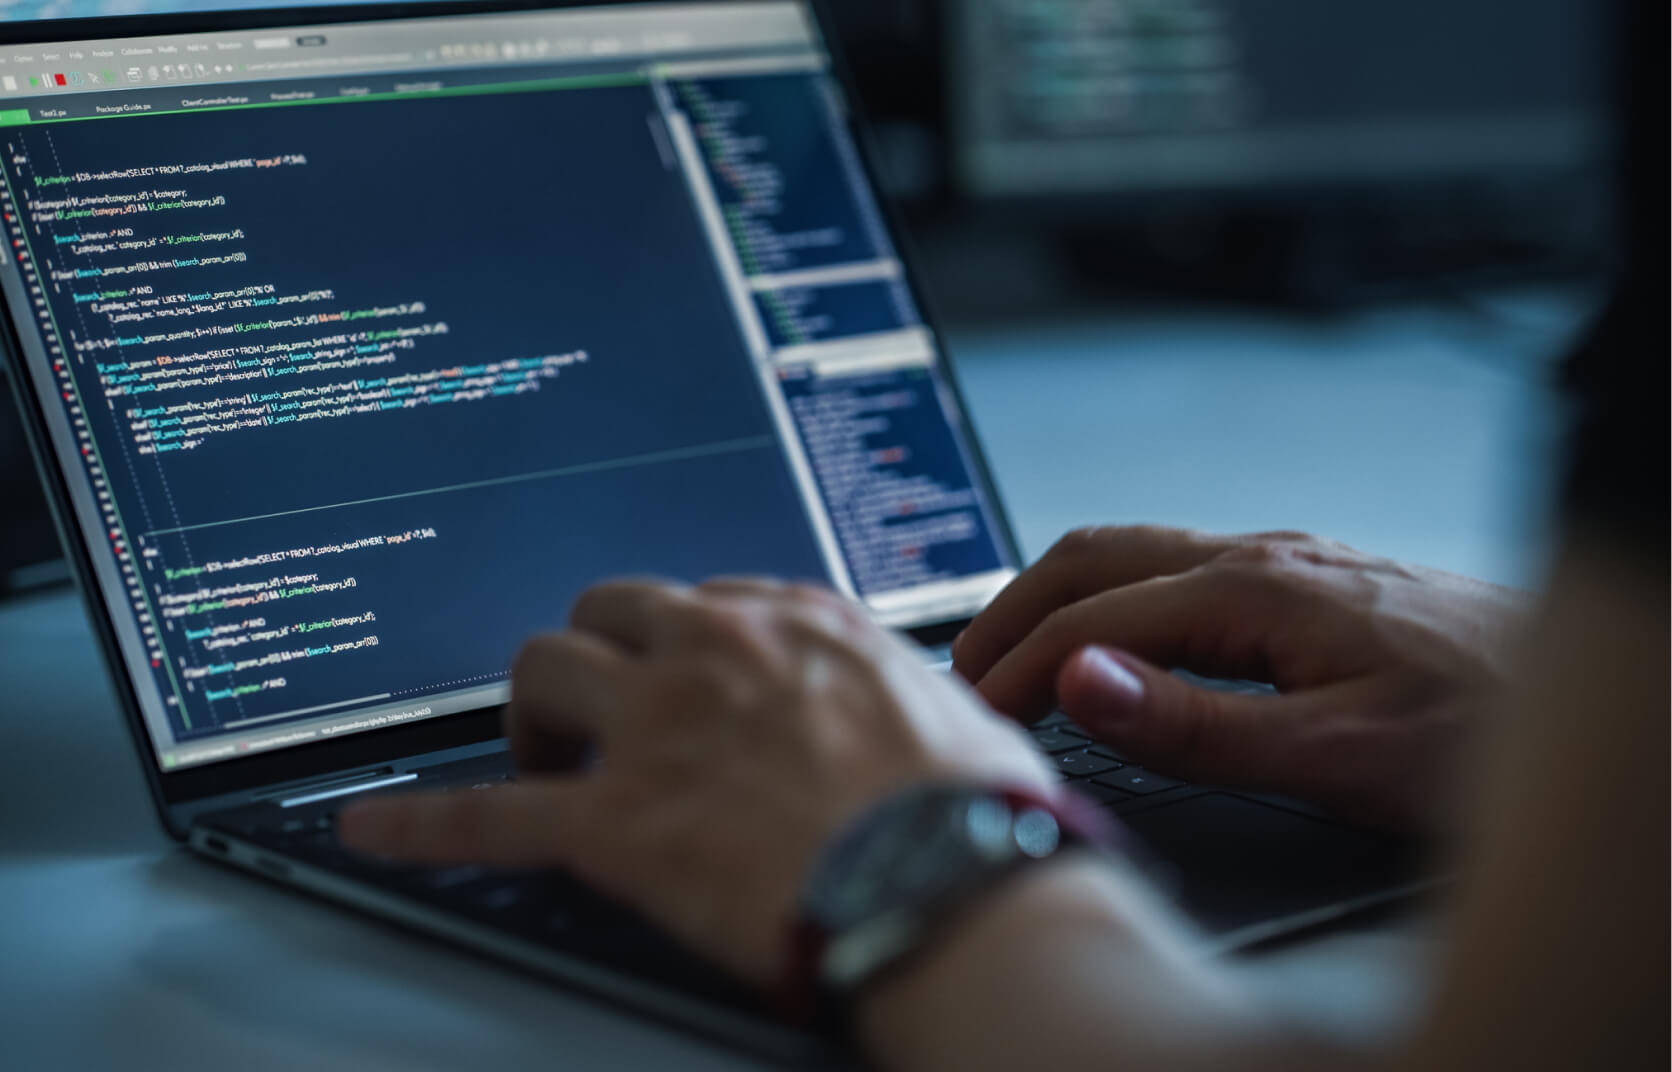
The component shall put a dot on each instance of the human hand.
(739, 726)
(1382, 668)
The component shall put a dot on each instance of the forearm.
(1074, 966)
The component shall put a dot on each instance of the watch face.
(910, 850)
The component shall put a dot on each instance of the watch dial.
(907, 851)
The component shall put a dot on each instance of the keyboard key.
(1138, 780)
(1052, 741)
(1104, 794)
(1084, 764)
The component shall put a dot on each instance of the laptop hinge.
(294, 795)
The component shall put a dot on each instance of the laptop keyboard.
(546, 908)
(1096, 770)
(1105, 775)
(551, 909)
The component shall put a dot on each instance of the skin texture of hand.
(1384, 669)
(738, 727)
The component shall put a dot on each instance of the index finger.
(1081, 564)
(539, 823)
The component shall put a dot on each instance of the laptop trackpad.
(1232, 863)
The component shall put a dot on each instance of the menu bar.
(571, 36)
(473, 81)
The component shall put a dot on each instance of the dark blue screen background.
(531, 224)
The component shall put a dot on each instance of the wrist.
(888, 885)
(904, 1018)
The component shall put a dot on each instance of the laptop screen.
(365, 347)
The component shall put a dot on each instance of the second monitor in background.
(1477, 122)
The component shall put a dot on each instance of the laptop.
(353, 343)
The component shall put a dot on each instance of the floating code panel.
(893, 477)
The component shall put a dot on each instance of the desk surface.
(1419, 434)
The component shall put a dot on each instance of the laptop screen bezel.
(467, 728)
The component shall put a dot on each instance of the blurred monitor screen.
(1059, 96)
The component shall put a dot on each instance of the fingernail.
(1110, 675)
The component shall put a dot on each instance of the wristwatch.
(892, 881)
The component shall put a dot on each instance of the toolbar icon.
(135, 74)
(9, 83)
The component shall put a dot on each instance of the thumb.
(1157, 719)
